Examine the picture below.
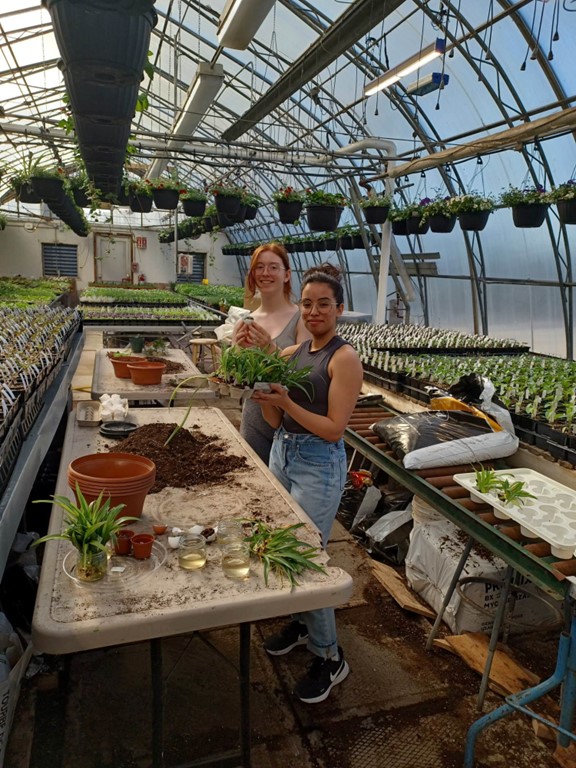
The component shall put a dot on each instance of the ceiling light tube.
(419, 59)
(240, 20)
(202, 92)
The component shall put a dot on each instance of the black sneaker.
(292, 635)
(322, 676)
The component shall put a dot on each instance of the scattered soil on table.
(171, 366)
(191, 458)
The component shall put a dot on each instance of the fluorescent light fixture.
(424, 56)
(428, 83)
(240, 20)
(202, 92)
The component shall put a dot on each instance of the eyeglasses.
(272, 268)
(322, 306)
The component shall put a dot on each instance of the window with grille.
(59, 260)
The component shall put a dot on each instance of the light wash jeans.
(313, 471)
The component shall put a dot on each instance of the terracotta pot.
(123, 545)
(124, 477)
(120, 365)
(146, 373)
(142, 545)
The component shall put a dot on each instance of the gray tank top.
(318, 378)
(287, 335)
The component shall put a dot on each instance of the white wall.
(21, 252)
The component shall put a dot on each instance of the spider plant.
(513, 492)
(90, 525)
(245, 367)
(487, 480)
(281, 552)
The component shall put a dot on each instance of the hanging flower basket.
(141, 203)
(80, 197)
(289, 210)
(414, 226)
(474, 221)
(441, 223)
(400, 227)
(566, 211)
(208, 223)
(251, 211)
(227, 199)
(25, 193)
(48, 187)
(323, 218)
(240, 216)
(529, 215)
(375, 214)
(194, 207)
(165, 199)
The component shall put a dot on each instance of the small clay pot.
(142, 545)
(123, 543)
(159, 528)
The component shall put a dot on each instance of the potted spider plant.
(89, 526)
(243, 370)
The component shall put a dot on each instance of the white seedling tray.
(551, 516)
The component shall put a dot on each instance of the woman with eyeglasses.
(309, 459)
(276, 324)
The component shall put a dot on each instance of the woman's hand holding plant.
(254, 335)
(278, 397)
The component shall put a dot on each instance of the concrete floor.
(400, 706)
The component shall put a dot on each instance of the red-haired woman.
(276, 324)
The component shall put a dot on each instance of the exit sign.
(141, 242)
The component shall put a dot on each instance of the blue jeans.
(313, 471)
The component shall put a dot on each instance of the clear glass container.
(236, 559)
(229, 531)
(192, 552)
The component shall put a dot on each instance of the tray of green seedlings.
(146, 315)
(22, 292)
(148, 297)
(213, 295)
(544, 508)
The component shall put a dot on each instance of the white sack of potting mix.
(469, 450)
(433, 556)
(13, 663)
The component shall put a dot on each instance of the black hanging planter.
(331, 243)
(194, 207)
(227, 204)
(224, 220)
(400, 227)
(240, 216)
(440, 223)
(475, 221)
(323, 218)
(166, 199)
(566, 211)
(357, 242)
(414, 226)
(48, 188)
(529, 216)
(289, 211)
(376, 214)
(123, 197)
(346, 242)
(141, 203)
(25, 194)
(208, 223)
(251, 211)
(80, 197)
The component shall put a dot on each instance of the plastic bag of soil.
(389, 538)
(444, 438)
(372, 513)
(477, 391)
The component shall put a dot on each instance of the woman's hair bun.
(324, 269)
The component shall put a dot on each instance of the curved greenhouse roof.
(291, 109)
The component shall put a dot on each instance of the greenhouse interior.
(288, 384)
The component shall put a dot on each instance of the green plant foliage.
(244, 367)
(512, 492)
(566, 191)
(289, 195)
(486, 480)
(472, 203)
(89, 525)
(281, 552)
(375, 201)
(214, 295)
(193, 193)
(525, 196)
(321, 197)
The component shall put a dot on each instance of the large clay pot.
(145, 373)
(126, 478)
(120, 365)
